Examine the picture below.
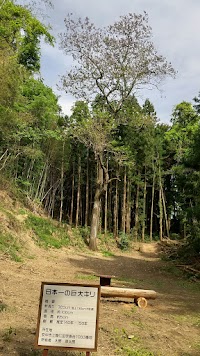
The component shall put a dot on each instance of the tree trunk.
(62, 183)
(101, 184)
(115, 227)
(144, 207)
(106, 208)
(96, 208)
(123, 226)
(87, 191)
(165, 211)
(41, 180)
(160, 205)
(127, 292)
(128, 208)
(136, 213)
(72, 196)
(78, 191)
(161, 215)
(110, 207)
(50, 195)
(152, 205)
(184, 231)
(53, 202)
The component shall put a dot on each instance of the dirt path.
(169, 326)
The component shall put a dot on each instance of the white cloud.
(66, 102)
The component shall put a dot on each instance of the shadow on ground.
(175, 293)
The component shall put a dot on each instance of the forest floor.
(168, 326)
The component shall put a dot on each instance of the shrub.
(124, 241)
(48, 235)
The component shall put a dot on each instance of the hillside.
(168, 326)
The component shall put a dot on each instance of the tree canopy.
(22, 32)
(110, 165)
(114, 61)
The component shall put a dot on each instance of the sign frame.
(63, 348)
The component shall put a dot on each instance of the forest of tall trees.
(111, 160)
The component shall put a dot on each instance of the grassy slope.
(23, 223)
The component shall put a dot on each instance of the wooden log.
(45, 352)
(141, 302)
(189, 268)
(127, 293)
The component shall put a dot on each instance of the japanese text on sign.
(68, 316)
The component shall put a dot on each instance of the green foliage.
(107, 253)
(128, 280)
(170, 268)
(127, 351)
(124, 241)
(3, 306)
(10, 246)
(34, 353)
(85, 233)
(79, 237)
(128, 344)
(22, 32)
(41, 103)
(194, 238)
(90, 277)
(8, 334)
(174, 236)
(193, 320)
(47, 234)
(39, 148)
(80, 113)
(28, 109)
(106, 244)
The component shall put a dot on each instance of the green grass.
(106, 243)
(90, 277)
(197, 346)
(106, 253)
(189, 285)
(8, 334)
(22, 211)
(10, 247)
(3, 306)
(127, 351)
(80, 238)
(127, 280)
(171, 269)
(129, 345)
(35, 353)
(194, 320)
(46, 233)
(13, 223)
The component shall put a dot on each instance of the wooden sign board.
(68, 316)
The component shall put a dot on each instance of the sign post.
(68, 317)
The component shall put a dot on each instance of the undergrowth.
(3, 306)
(46, 233)
(129, 345)
(9, 246)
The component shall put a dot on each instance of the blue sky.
(175, 26)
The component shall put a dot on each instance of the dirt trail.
(169, 326)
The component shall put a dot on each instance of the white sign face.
(68, 316)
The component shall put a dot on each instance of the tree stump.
(141, 302)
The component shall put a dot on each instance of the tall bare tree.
(114, 61)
